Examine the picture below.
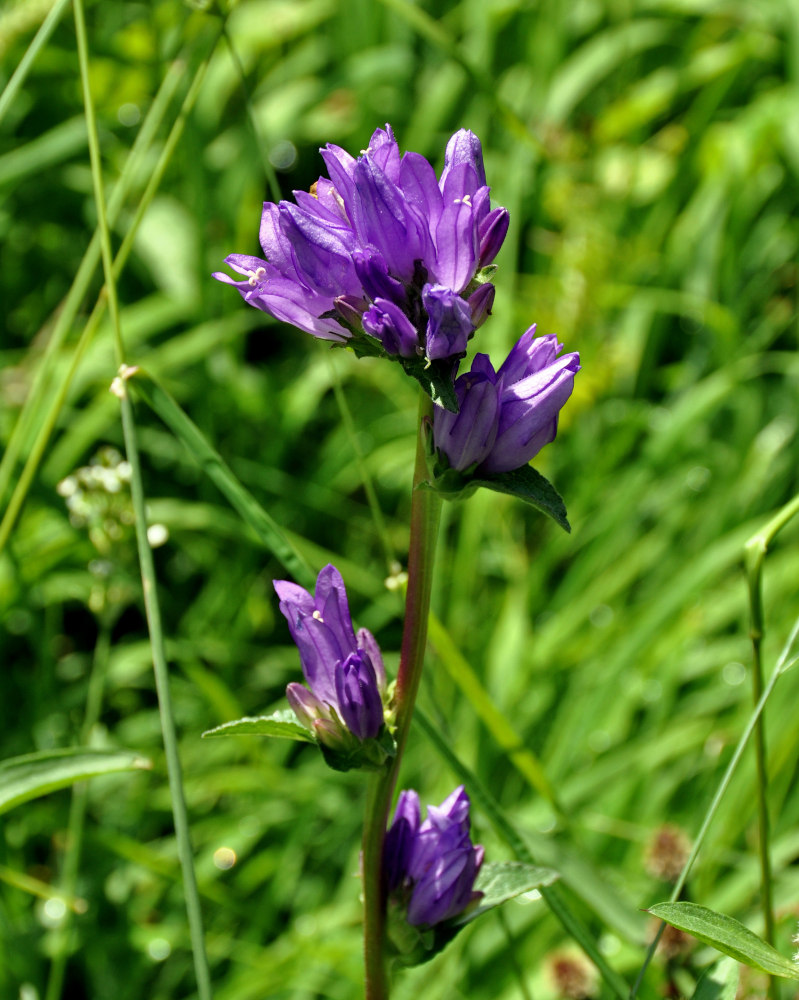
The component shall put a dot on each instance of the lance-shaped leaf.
(35, 774)
(530, 486)
(282, 725)
(726, 935)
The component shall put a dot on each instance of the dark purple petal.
(456, 245)
(491, 233)
(399, 839)
(464, 147)
(322, 252)
(420, 187)
(467, 437)
(481, 302)
(455, 807)
(433, 895)
(367, 643)
(389, 324)
(449, 324)
(377, 283)
(462, 182)
(359, 703)
(529, 407)
(383, 218)
(341, 166)
(333, 607)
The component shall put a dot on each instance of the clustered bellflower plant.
(387, 258)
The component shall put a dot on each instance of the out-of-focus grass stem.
(46, 29)
(78, 804)
(754, 558)
(149, 585)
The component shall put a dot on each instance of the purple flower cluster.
(382, 246)
(430, 866)
(344, 670)
(506, 417)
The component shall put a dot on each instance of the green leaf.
(35, 774)
(282, 725)
(726, 935)
(720, 982)
(530, 486)
(500, 881)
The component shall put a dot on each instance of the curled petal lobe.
(367, 643)
(491, 233)
(456, 245)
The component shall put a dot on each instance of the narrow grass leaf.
(35, 774)
(726, 935)
(212, 463)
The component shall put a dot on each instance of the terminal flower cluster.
(430, 865)
(343, 703)
(382, 248)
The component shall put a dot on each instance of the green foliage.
(648, 158)
(34, 774)
(726, 935)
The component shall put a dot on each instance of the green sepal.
(435, 377)
(498, 882)
(282, 725)
(361, 755)
(524, 483)
(726, 935)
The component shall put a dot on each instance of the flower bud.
(305, 705)
(449, 323)
(389, 324)
(480, 303)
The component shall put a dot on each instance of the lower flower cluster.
(430, 865)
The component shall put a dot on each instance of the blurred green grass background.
(649, 154)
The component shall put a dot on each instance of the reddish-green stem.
(425, 514)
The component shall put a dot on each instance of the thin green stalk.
(782, 665)
(425, 515)
(39, 40)
(77, 806)
(754, 557)
(149, 585)
(58, 398)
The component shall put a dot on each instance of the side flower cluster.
(383, 248)
(343, 703)
(506, 417)
(431, 865)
